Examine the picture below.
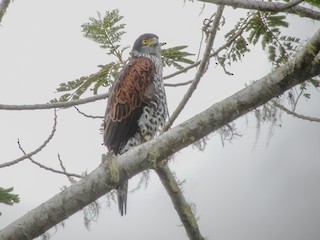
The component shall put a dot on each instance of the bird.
(137, 104)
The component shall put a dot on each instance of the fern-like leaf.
(7, 197)
(106, 31)
(174, 56)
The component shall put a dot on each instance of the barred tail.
(122, 192)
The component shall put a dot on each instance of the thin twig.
(42, 146)
(297, 100)
(54, 105)
(88, 116)
(69, 175)
(312, 119)
(178, 84)
(202, 67)
(64, 172)
(184, 70)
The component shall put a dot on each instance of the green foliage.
(238, 44)
(173, 56)
(265, 27)
(7, 197)
(107, 31)
(79, 86)
(238, 49)
(303, 91)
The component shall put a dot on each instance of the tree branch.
(180, 204)
(4, 4)
(118, 169)
(64, 172)
(303, 117)
(55, 104)
(69, 175)
(269, 7)
(42, 146)
(177, 84)
(88, 116)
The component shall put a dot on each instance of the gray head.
(147, 44)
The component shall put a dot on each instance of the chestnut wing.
(127, 98)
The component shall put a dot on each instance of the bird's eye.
(144, 41)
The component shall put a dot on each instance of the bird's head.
(147, 44)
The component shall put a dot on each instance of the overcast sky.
(246, 190)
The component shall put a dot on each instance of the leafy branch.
(7, 197)
(238, 43)
(78, 87)
(173, 56)
(106, 31)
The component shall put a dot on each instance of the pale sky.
(242, 191)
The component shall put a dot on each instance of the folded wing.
(128, 96)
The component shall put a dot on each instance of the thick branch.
(179, 202)
(268, 6)
(115, 171)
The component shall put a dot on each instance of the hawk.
(137, 105)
